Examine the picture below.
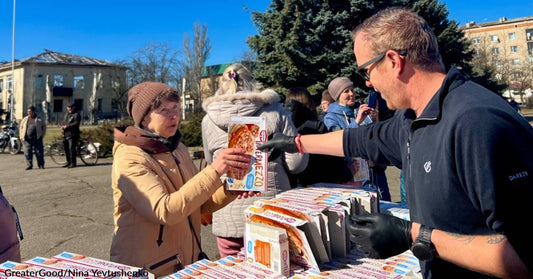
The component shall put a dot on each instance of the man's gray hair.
(401, 29)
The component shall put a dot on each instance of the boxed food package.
(116, 270)
(267, 246)
(313, 213)
(305, 244)
(247, 132)
(10, 269)
(70, 269)
(252, 270)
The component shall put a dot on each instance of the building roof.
(215, 70)
(52, 57)
(503, 20)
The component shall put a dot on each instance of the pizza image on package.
(247, 132)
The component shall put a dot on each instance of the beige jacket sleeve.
(146, 185)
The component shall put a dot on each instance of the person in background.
(158, 192)
(239, 95)
(321, 168)
(343, 114)
(32, 132)
(9, 239)
(465, 153)
(324, 104)
(71, 134)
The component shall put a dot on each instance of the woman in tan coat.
(157, 190)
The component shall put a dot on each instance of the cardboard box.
(10, 269)
(267, 246)
(305, 244)
(116, 270)
(313, 213)
(71, 269)
(247, 132)
(252, 270)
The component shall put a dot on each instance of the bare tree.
(153, 62)
(195, 54)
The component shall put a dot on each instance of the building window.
(498, 63)
(494, 38)
(58, 105)
(517, 75)
(529, 34)
(9, 83)
(516, 61)
(58, 80)
(1, 85)
(512, 36)
(495, 51)
(39, 82)
(514, 48)
(79, 82)
(476, 41)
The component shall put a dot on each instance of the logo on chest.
(427, 166)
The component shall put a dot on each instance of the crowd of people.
(464, 153)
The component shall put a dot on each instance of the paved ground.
(71, 209)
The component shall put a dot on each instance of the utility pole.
(12, 93)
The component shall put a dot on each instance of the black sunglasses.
(364, 72)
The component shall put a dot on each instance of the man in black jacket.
(71, 134)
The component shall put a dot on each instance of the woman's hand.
(231, 159)
(363, 111)
(241, 194)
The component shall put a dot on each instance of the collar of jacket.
(147, 141)
(267, 96)
(433, 110)
(339, 109)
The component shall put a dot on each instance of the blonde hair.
(236, 78)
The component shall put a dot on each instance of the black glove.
(280, 142)
(380, 236)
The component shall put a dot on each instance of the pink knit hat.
(338, 85)
(141, 96)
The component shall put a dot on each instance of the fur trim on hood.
(267, 96)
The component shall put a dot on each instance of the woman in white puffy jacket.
(240, 95)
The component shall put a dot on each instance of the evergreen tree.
(307, 42)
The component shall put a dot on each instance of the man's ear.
(397, 62)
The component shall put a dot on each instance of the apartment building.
(52, 80)
(508, 44)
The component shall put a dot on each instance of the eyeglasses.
(364, 73)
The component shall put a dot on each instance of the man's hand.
(280, 142)
(380, 236)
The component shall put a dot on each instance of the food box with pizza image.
(247, 133)
(267, 246)
(305, 244)
(313, 213)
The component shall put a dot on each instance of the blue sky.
(114, 29)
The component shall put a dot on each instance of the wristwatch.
(422, 248)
